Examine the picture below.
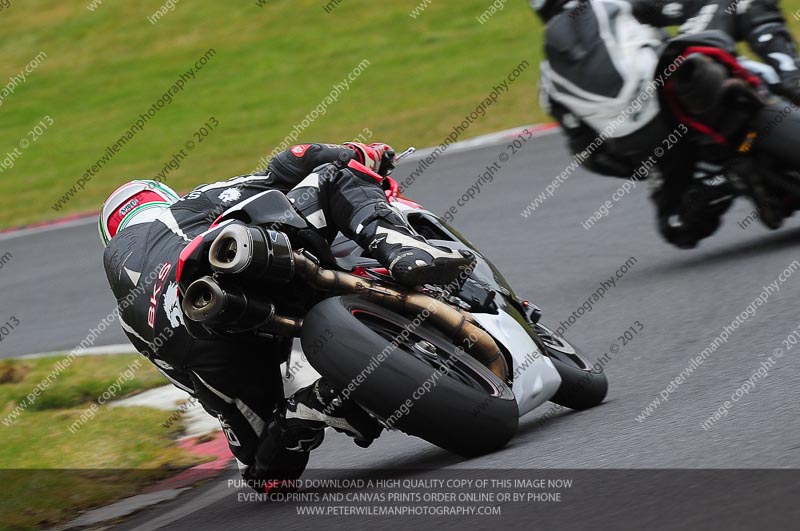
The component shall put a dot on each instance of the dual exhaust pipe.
(253, 255)
(265, 256)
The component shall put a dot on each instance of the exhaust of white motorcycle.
(208, 302)
(252, 253)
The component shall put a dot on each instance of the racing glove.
(378, 157)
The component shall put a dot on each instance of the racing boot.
(710, 194)
(351, 199)
(772, 208)
(312, 409)
(410, 258)
(687, 216)
(276, 468)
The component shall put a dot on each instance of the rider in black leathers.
(237, 379)
(689, 195)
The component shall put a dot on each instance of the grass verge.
(54, 473)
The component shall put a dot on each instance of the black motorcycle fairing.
(267, 208)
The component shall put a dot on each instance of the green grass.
(86, 378)
(56, 473)
(272, 66)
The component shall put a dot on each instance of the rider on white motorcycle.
(145, 226)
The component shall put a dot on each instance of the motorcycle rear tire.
(424, 386)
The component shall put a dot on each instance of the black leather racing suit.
(237, 380)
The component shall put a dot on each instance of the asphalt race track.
(56, 288)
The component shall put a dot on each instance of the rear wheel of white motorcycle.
(422, 386)
(583, 385)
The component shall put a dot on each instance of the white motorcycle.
(454, 365)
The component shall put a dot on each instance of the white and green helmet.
(134, 203)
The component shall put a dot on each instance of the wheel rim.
(462, 368)
(559, 348)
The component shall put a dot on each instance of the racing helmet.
(133, 203)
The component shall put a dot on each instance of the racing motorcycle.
(455, 365)
(732, 106)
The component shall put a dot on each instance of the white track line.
(121, 348)
(482, 141)
(13, 234)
